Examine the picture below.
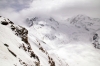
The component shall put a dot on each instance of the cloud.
(19, 10)
(74, 7)
(11, 8)
(15, 4)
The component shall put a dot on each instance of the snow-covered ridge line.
(20, 50)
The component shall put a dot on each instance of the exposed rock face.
(4, 23)
(96, 41)
(22, 32)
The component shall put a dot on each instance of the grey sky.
(15, 4)
(21, 9)
(88, 7)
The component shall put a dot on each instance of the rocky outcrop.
(22, 32)
(96, 41)
(4, 23)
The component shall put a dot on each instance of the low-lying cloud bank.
(19, 10)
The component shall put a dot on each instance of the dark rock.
(29, 48)
(95, 36)
(4, 23)
(12, 52)
(11, 22)
(12, 27)
(24, 47)
(96, 41)
(25, 39)
(32, 54)
(6, 45)
(37, 58)
(42, 49)
(37, 63)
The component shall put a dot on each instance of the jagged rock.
(6, 45)
(42, 49)
(51, 62)
(32, 54)
(29, 48)
(12, 27)
(95, 36)
(4, 23)
(12, 52)
(24, 47)
(96, 41)
(37, 64)
(11, 22)
(22, 32)
(25, 39)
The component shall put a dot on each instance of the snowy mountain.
(86, 22)
(18, 49)
(90, 26)
(46, 41)
(71, 39)
(53, 30)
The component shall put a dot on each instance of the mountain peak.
(82, 18)
(35, 20)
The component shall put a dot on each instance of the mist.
(19, 10)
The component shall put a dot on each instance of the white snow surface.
(70, 39)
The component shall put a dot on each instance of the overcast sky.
(21, 9)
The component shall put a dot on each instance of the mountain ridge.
(18, 47)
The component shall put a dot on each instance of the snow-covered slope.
(49, 42)
(70, 39)
(18, 49)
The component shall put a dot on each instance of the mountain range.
(45, 41)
